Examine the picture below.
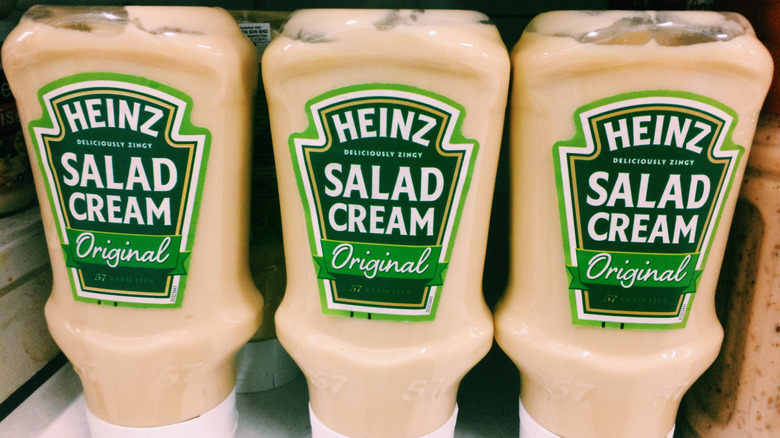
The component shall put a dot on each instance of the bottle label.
(258, 33)
(123, 168)
(641, 189)
(383, 172)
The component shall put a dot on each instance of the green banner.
(114, 250)
(374, 260)
(629, 270)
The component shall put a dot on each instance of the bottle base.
(221, 421)
(319, 430)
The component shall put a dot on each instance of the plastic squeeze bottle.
(629, 137)
(386, 129)
(138, 122)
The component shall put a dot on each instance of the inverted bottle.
(630, 132)
(138, 119)
(386, 128)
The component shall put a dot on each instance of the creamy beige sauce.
(591, 382)
(149, 367)
(387, 378)
(740, 394)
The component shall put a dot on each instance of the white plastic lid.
(264, 365)
(531, 429)
(219, 422)
(319, 430)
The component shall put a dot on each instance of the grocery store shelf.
(56, 409)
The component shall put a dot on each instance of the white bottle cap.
(319, 430)
(264, 365)
(219, 422)
(531, 429)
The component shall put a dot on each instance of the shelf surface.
(56, 410)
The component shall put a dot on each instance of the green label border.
(48, 125)
(314, 135)
(579, 145)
